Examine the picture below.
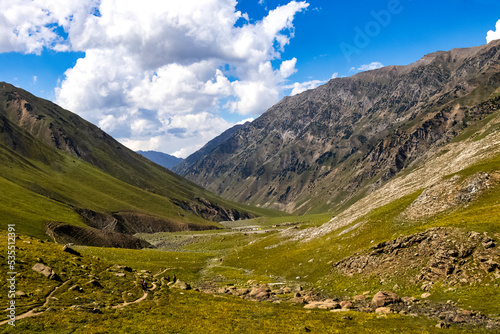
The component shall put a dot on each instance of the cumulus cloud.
(372, 66)
(299, 87)
(156, 74)
(493, 35)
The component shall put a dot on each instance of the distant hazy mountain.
(162, 159)
(327, 147)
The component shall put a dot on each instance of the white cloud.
(372, 66)
(246, 120)
(493, 35)
(184, 134)
(299, 87)
(149, 64)
(35, 79)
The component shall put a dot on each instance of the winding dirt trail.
(164, 270)
(31, 313)
(137, 300)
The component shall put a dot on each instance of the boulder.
(488, 245)
(181, 285)
(20, 294)
(425, 295)
(46, 271)
(242, 292)
(490, 265)
(383, 310)
(259, 293)
(323, 305)
(383, 298)
(345, 304)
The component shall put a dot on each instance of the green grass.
(30, 211)
(192, 312)
(186, 265)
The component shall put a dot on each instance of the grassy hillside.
(54, 164)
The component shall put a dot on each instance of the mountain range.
(326, 148)
(165, 160)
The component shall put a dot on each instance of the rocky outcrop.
(212, 211)
(447, 194)
(383, 298)
(449, 255)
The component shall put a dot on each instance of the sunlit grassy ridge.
(38, 193)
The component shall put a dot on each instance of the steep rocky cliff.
(325, 148)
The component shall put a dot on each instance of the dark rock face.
(211, 211)
(351, 135)
(65, 233)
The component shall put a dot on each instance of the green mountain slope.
(56, 167)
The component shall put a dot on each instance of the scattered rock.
(383, 310)
(488, 245)
(181, 285)
(360, 297)
(383, 298)
(20, 294)
(425, 295)
(46, 271)
(345, 304)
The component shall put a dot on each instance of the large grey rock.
(383, 298)
(181, 285)
(46, 271)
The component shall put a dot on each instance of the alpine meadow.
(235, 166)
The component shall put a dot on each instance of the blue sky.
(169, 76)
